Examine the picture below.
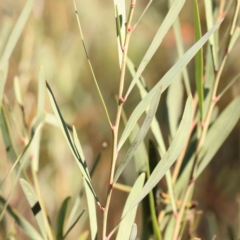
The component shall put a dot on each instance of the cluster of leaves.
(197, 124)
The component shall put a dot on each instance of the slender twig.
(115, 128)
(90, 65)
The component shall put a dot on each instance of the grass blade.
(142, 133)
(125, 225)
(35, 206)
(91, 211)
(22, 222)
(16, 32)
(167, 23)
(171, 155)
(168, 78)
(224, 125)
(198, 59)
(61, 218)
(77, 155)
(174, 107)
(133, 234)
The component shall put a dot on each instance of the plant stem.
(115, 128)
(206, 122)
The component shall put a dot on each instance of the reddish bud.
(122, 99)
(133, 4)
(102, 208)
(192, 180)
(175, 214)
(203, 124)
(216, 99)
(124, 48)
(130, 29)
(112, 127)
(31, 157)
(111, 185)
(222, 14)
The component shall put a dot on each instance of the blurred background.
(51, 39)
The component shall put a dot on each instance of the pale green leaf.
(17, 91)
(176, 69)
(218, 133)
(174, 104)
(212, 40)
(61, 218)
(171, 155)
(81, 163)
(91, 211)
(125, 227)
(16, 32)
(167, 23)
(127, 220)
(35, 206)
(22, 222)
(140, 136)
(198, 59)
(120, 15)
(133, 232)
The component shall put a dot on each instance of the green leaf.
(162, 31)
(198, 59)
(91, 211)
(175, 70)
(35, 206)
(16, 32)
(171, 155)
(212, 39)
(7, 136)
(218, 133)
(77, 155)
(142, 133)
(120, 15)
(133, 234)
(174, 104)
(136, 114)
(180, 50)
(127, 220)
(61, 218)
(22, 222)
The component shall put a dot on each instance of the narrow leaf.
(133, 232)
(81, 163)
(91, 211)
(61, 218)
(171, 155)
(198, 59)
(120, 15)
(22, 222)
(174, 104)
(16, 32)
(127, 221)
(41, 91)
(162, 31)
(176, 69)
(140, 136)
(35, 206)
(218, 133)
(234, 38)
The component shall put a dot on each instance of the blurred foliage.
(51, 39)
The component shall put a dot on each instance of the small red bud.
(192, 180)
(112, 128)
(124, 48)
(122, 99)
(203, 124)
(31, 157)
(130, 29)
(175, 214)
(111, 185)
(133, 4)
(102, 208)
(216, 99)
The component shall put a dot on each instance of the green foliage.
(166, 174)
